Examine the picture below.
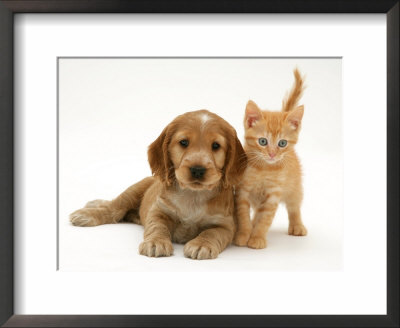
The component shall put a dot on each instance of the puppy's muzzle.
(197, 171)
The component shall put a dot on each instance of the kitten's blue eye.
(184, 143)
(263, 141)
(282, 143)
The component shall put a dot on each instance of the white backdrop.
(42, 289)
(110, 110)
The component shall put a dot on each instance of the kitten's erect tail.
(292, 99)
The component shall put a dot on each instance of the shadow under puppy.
(195, 161)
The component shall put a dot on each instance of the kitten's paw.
(257, 242)
(241, 238)
(97, 203)
(297, 230)
(83, 218)
(156, 248)
(200, 250)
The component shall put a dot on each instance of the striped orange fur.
(273, 173)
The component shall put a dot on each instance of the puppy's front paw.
(84, 217)
(156, 248)
(241, 238)
(297, 230)
(257, 242)
(198, 249)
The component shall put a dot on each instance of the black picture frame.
(10, 7)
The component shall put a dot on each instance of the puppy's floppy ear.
(159, 161)
(235, 162)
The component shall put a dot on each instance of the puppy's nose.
(197, 171)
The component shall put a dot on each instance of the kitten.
(273, 173)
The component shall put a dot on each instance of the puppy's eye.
(215, 145)
(184, 143)
(263, 141)
(282, 143)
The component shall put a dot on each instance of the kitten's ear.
(294, 117)
(253, 114)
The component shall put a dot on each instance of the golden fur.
(273, 173)
(179, 204)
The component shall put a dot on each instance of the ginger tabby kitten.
(273, 174)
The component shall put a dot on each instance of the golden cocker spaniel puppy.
(195, 161)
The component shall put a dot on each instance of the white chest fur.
(189, 209)
(191, 206)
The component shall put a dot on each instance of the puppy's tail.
(292, 99)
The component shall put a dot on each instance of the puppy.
(195, 162)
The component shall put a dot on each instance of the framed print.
(86, 87)
(172, 79)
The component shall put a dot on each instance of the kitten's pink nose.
(272, 155)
